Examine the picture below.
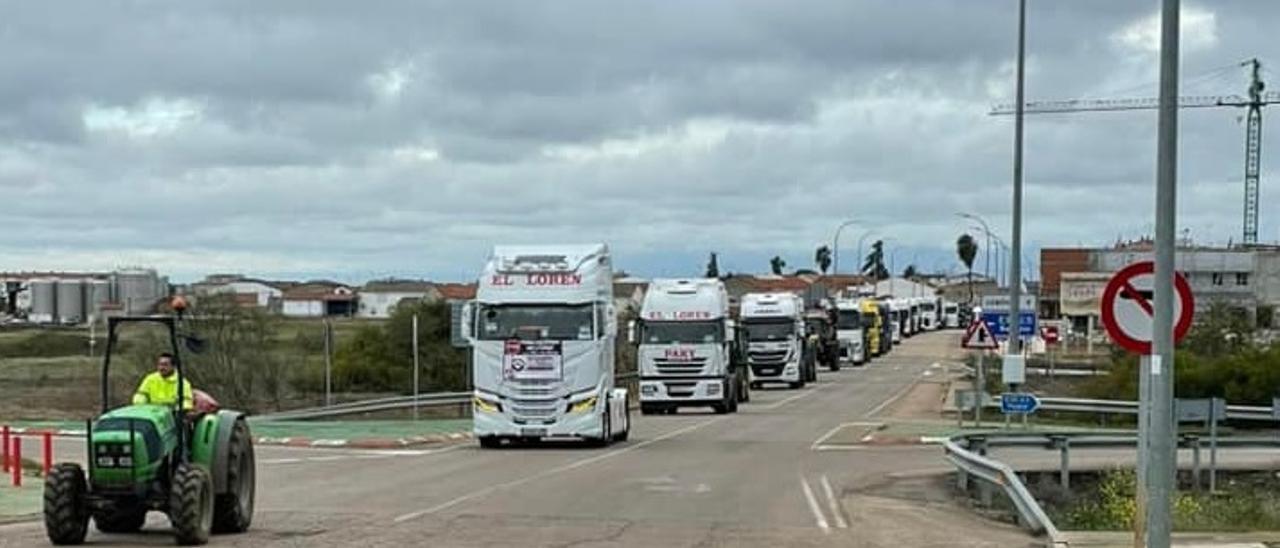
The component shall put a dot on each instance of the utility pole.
(1160, 454)
(1014, 365)
(328, 363)
(415, 367)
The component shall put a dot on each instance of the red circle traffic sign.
(1127, 307)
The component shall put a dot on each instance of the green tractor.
(196, 468)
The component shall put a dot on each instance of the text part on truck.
(688, 348)
(850, 332)
(874, 326)
(542, 331)
(774, 331)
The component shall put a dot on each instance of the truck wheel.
(648, 409)
(744, 392)
(191, 505)
(834, 365)
(490, 442)
(127, 521)
(66, 519)
(796, 385)
(606, 435)
(720, 408)
(233, 510)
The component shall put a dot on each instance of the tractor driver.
(161, 386)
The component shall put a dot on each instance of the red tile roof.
(457, 292)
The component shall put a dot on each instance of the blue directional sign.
(999, 323)
(1014, 403)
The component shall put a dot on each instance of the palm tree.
(909, 272)
(777, 264)
(822, 258)
(967, 249)
(713, 266)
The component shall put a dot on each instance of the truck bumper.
(775, 373)
(698, 392)
(587, 424)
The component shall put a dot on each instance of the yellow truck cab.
(871, 318)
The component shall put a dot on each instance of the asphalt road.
(750, 479)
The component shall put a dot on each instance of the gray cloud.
(407, 137)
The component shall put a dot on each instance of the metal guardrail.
(997, 473)
(435, 399)
(1123, 407)
(369, 406)
(968, 452)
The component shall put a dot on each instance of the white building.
(264, 294)
(378, 300)
(318, 300)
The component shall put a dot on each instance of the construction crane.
(1254, 102)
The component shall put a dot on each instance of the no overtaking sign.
(1127, 308)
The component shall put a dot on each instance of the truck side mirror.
(468, 321)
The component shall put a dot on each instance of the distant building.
(379, 299)
(457, 292)
(248, 292)
(1245, 279)
(319, 299)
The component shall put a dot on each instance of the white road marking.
(813, 507)
(783, 402)
(817, 444)
(890, 401)
(553, 471)
(832, 504)
(279, 461)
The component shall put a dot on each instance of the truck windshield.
(769, 330)
(849, 319)
(927, 307)
(681, 332)
(536, 322)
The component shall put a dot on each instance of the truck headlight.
(584, 405)
(486, 405)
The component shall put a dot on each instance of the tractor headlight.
(125, 461)
(105, 461)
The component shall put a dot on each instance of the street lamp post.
(835, 251)
(860, 240)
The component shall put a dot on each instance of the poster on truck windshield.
(532, 361)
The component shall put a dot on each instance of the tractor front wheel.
(126, 521)
(66, 517)
(191, 505)
(233, 510)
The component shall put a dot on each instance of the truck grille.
(684, 367)
(534, 409)
(767, 357)
(680, 389)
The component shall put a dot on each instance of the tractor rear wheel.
(233, 510)
(66, 517)
(191, 505)
(121, 521)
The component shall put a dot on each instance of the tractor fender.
(226, 422)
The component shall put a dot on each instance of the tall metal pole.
(1015, 262)
(328, 363)
(1160, 472)
(415, 367)
(835, 247)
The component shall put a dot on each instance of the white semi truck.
(851, 332)
(542, 331)
(688, 351)
(774, 331)
(950, 315)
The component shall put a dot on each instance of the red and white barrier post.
(4, 448)
(48, 453)
(17, 461)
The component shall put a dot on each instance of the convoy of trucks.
(542, 334)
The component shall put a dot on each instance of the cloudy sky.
(356, 140)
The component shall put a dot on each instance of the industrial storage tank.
(96, 294)
(70, 301)
(137, 290)
(44, 300)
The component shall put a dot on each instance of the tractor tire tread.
(190, 496)
(66, 518)
(230, 513)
